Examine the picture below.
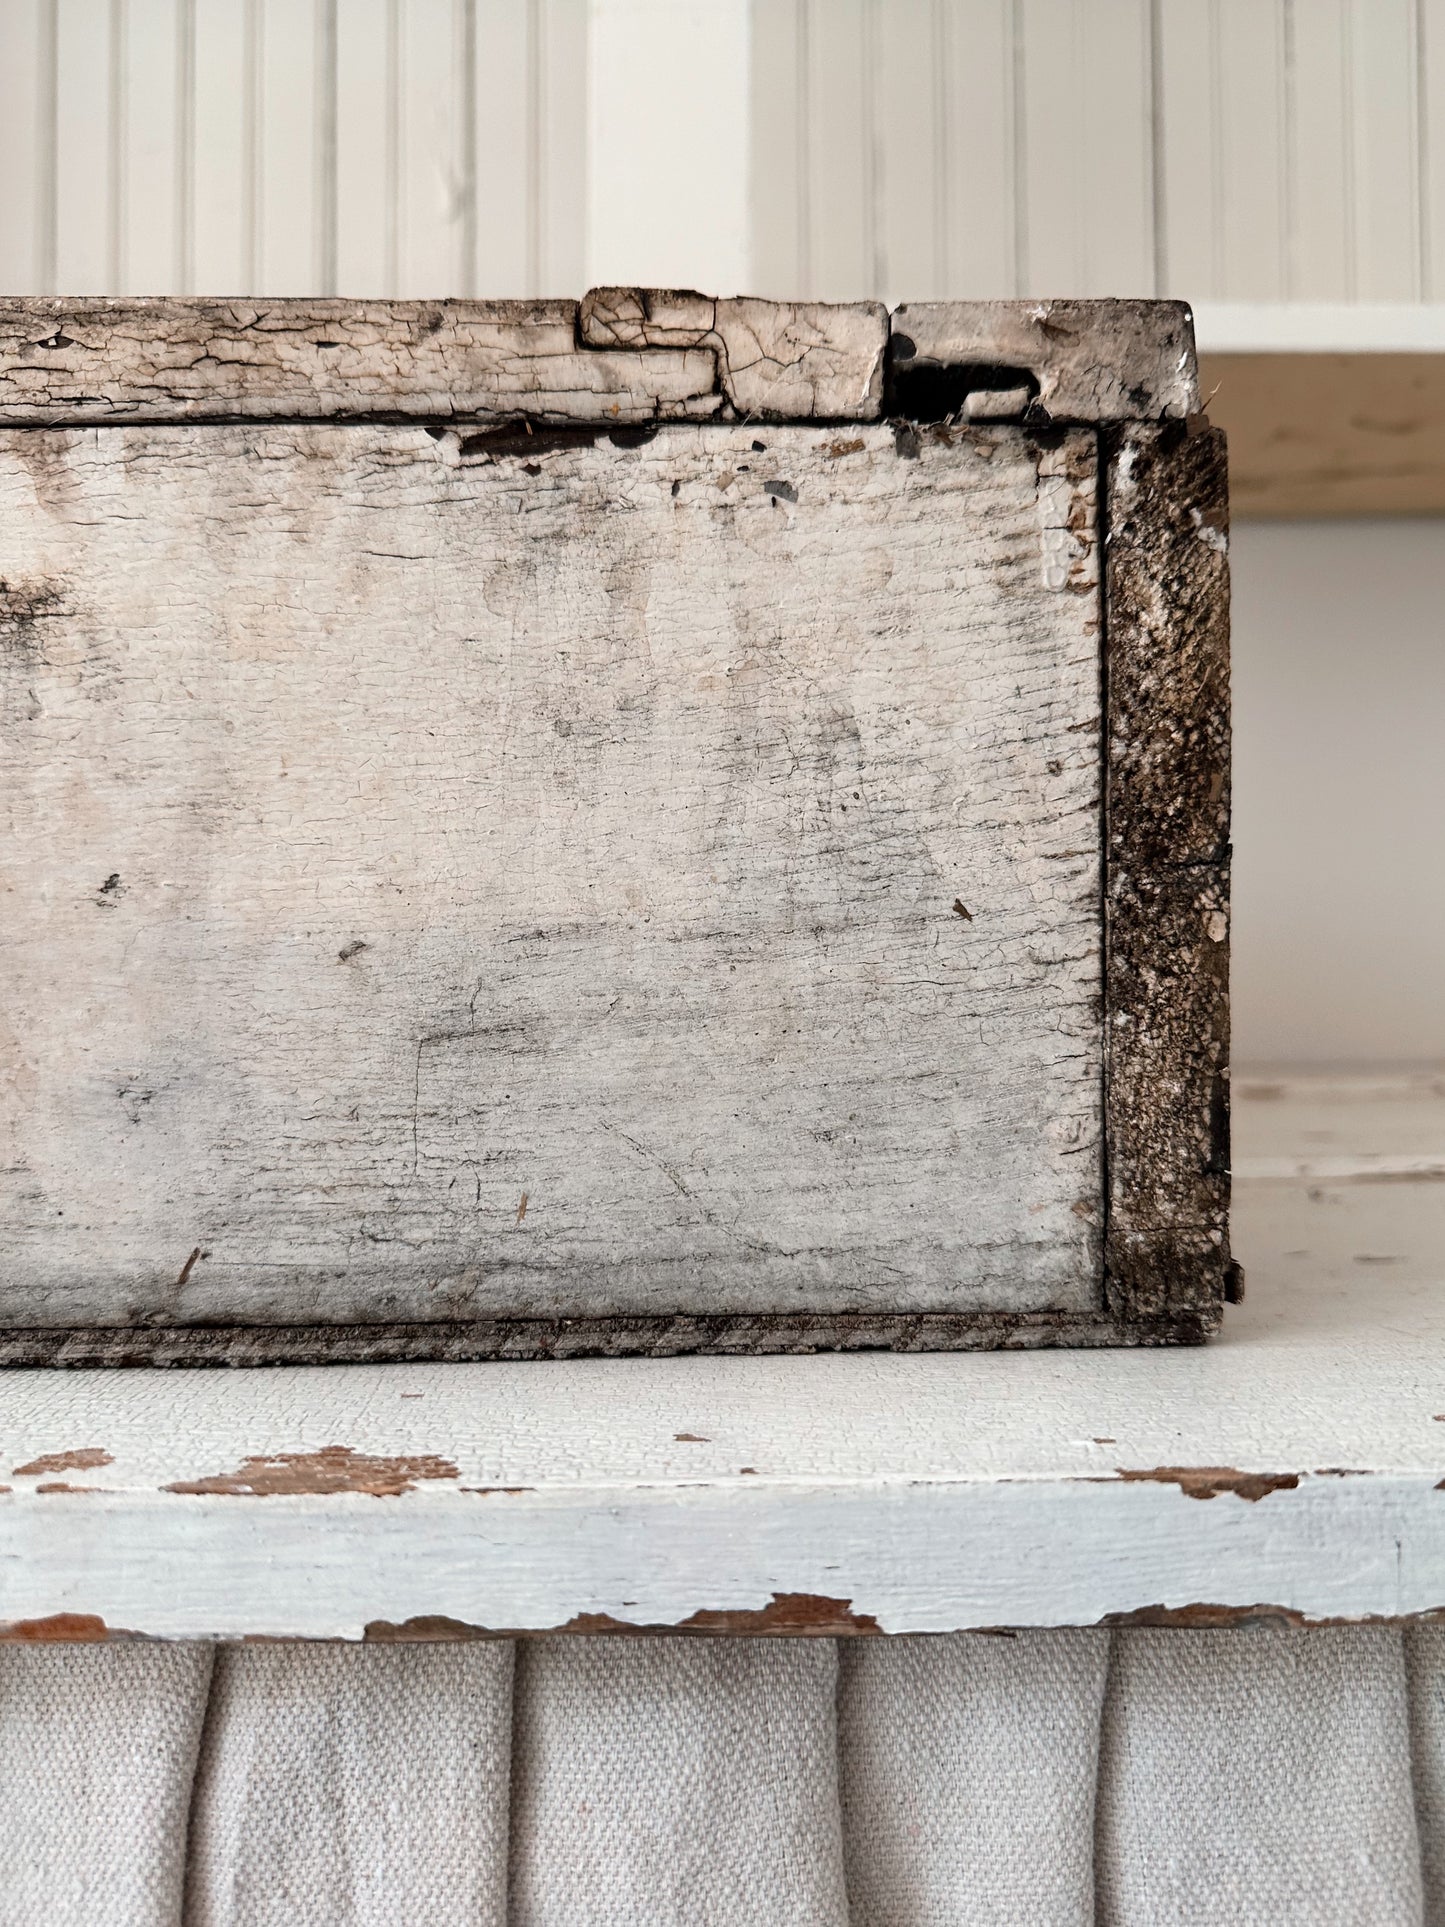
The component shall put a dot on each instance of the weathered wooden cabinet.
(657, 825)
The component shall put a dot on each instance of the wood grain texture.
(1294, 1469)
(1330, 434)
(1167, 873)
(456, 876)
(103, 361)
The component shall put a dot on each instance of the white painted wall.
(667, 117)
(1339, 788)
(1221, 150)
(1229, 151)
(1239, 152)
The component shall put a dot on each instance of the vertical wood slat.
(977, 187)
(559, 118)
(667, 159)
(26, 144)
(1321, 213)
(842, 209)
(1430, 22)
(365, 148)
(778, 141)
(1385, 150)
(288, 219)
(1087, 177)
(83, 162)
(432, 146)
(1223, 114)
(499, 133)
(908, 124)
(220, 255)
(431, 189)
(153, 211)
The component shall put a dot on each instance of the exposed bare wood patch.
(424, 1628)
(787, 1614)
(86, 1458)
(332, 1468)
(83, 1629)
(1209, 1481)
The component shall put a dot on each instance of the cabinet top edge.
(618, 355)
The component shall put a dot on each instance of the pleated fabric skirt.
(1047, 1779)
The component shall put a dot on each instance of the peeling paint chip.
(86, 1459)
(1209, 1481)
(334, 1468)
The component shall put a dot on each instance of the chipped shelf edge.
(784, 1556)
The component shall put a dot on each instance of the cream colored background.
(1263, 154)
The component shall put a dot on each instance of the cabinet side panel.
(1167, 873)
(455, 878)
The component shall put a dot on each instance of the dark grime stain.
(22, 605)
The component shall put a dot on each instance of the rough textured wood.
(454, 876)
(1092, 361)
(1291, 1469)
(775, 358)
(532, 881)
(83, 360)
(1167, 883)
(108, 360)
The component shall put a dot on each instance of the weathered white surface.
(931, 1492)
(1093, 360)
(104, 361)
(445, 881)
(810, 358)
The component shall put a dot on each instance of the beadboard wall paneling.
(1239, 151)
(288, 147)
(1224, 150)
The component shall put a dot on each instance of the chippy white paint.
(931, 1493)
(452, 877)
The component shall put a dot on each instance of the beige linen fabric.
(1425, 1672)
(97, 1755)
(353, 1787)
(1257, 1776)
(1262, 1777)
(676, 1783)
(968, 1764)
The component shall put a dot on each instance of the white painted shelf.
(1297, 1465)
(1319, 327)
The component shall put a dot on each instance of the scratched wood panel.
(1042, 1490)
(458, 875)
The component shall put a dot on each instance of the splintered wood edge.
(620, 357)
(1091, 361)
(1166, 865)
